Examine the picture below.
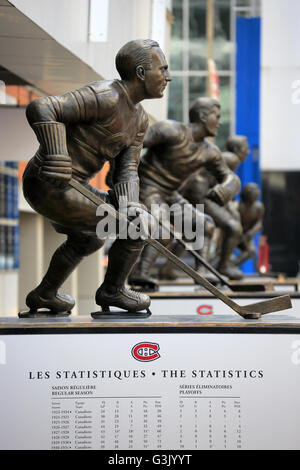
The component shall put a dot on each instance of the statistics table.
(156, 383)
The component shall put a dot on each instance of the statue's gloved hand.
(219, 194)
(247, 237)
(56, 164)
(141, 222)
(56, 170)
(209, 225)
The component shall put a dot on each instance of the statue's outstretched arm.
(125, 176)
(48, 116)
(163, 133)
(229, 183)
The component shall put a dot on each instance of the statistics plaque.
(117, 389)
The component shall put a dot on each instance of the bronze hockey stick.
(250, 311)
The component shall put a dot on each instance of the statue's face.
(243, 151)
(157, 78)
(212, 121)
(253, 194)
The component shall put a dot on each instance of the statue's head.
(207, 112)
(250, 192)
(238, 144)
(144, 61)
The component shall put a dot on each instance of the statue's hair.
(134, 54)
(202, 105)
(249, 189)
(235, 141)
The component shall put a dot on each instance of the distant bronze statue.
(174, 152)
(251, 213)
(195, 191)
(78, 132)
(237, 150)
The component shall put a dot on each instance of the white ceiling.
(29, 52)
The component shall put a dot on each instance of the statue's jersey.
(173, 156)
(250, 214)
(197, 187)
(101, 123)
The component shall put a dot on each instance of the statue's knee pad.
(209, 226)
(130, 245)
(234, 228)
(84, 245)
(252, 250)
(205, 222)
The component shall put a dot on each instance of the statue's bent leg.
(167, 270)
(232, 236)
(65, 259)
(247, 251)
(113, 292)
(140, 276)
(202, 227)
(232, 231)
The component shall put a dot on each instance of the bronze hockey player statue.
(78, 132)
(175, 152)
(251, 212)
(195, 191)
(236, 152)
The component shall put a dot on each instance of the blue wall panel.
(248, 34)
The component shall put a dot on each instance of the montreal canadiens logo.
(145, 352)
(205, 310)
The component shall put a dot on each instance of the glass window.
(177, 43)
(222, 44)
(246, 8)
(197, 35)
(197, 88)
(188, 63)
(15, 95)
(225, 101)
(176, 99)
(243, 3)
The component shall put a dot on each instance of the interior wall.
(280, 85)
(18, 141)
(68, 23)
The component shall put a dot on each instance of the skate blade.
(252, 316)
(42, 313)
(147, 289)
(144, 287)
(120, 315)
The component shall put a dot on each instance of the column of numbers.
(145, 424)
(196, 425)
(210, 425)
(55, 428)
(224, 418)
(116, 425)
(237, 408)
(103, 424)
(181, 428)
(159, 425)
(131, 425)
(60, 428)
